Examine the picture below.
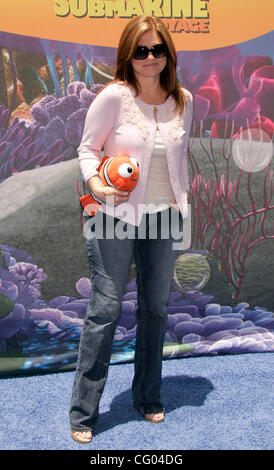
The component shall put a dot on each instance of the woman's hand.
(101, 191)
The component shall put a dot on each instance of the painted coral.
(52, 136)
(224, 82)
(23, 148)
(64, 118)
(230, 215)
(35, 328)
(228, 86)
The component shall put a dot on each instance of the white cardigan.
(123, 124)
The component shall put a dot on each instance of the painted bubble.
(191, 272)
(252, 150)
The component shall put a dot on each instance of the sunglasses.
(158, 51)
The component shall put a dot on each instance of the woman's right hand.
(101, 191)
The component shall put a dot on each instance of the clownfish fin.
(89, 204)
(102, 162)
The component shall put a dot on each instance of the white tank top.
(159, 191)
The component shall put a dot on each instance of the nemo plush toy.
(121, 172)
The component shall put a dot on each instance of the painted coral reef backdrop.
(221, 297)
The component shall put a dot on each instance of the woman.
(146, 114)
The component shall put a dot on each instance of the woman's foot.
(83, 437)
(155, 417)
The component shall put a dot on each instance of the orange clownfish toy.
(121, 172)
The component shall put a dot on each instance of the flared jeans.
(110, 260)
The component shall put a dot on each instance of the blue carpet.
(221, 402)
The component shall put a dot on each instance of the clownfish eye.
(125, 170)
(134, 161)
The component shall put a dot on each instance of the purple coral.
(28, 279)
(75, 126)
(208, 328)
(53, 131)
(20, 282)
(22, 148)
(56, 317)
(52, 137)
(12, 322)
(14, 255)
(64, 117)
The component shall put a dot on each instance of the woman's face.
(149, 67)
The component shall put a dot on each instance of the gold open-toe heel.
(155, 417)
(83, 437)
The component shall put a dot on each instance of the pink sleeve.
(98, 125)
(187, 127)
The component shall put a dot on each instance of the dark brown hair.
(131, 34)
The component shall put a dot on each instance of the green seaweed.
(3, 263)
(173, 349)
(6, 306)
(33, 85)
(11, 363)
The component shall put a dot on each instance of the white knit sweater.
(124, 124)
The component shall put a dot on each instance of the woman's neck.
(151, 91)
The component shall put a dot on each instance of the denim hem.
(149, 409)
(73, 428)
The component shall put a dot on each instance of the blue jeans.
(110, 261)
